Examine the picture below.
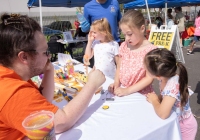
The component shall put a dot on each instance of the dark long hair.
(162, 62)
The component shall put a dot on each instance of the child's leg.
(190, 51)
(180, 34)
(196, 38)
(188, 128)
(192, 45)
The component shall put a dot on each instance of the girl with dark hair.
(161, 64)
(196, 34)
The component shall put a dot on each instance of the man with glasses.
(23, 54)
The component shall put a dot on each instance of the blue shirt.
(109, 10)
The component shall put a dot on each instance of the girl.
(162, 65)
(101, 45)
(131, 76)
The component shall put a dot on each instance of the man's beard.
(35, 71)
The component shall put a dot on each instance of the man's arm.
(86, 14)
(119, 15)
(85, 26)
(47, 86)
(67, 117)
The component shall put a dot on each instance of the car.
(48, 31)
(60, 25)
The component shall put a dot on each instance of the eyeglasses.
(47, 52)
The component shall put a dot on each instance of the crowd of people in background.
(180, 20)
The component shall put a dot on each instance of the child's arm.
(118, 61)
(116, 83)
(144, 82)
(164, 108)
(89, 50)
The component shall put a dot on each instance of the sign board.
(167, 38)
(67, 36)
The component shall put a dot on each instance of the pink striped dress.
(131, 68)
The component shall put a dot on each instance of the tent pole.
(148, 12)
(165, 13)
(40, 5)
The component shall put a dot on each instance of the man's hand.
(85, 26)
(48, 66)
(96, 78)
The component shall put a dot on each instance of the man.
(24, 54)
(161, 14)
(97, 9)
(180, 21)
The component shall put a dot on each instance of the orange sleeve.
(24, 102)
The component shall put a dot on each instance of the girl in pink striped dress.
(131, 75)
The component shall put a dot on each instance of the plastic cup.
(39, 126)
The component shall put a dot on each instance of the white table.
(128, 118)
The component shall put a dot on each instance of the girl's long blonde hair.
(103, 26)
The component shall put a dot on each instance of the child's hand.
(121, 91)
(86, 60)
(90, 37)
(152, 97)
(112, 87)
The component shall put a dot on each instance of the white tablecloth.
(128, 118)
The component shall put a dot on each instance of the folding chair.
(55, 47)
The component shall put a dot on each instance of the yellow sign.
(162, 39)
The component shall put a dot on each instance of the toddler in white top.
(103, 47)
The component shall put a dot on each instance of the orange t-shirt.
(18, 99)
